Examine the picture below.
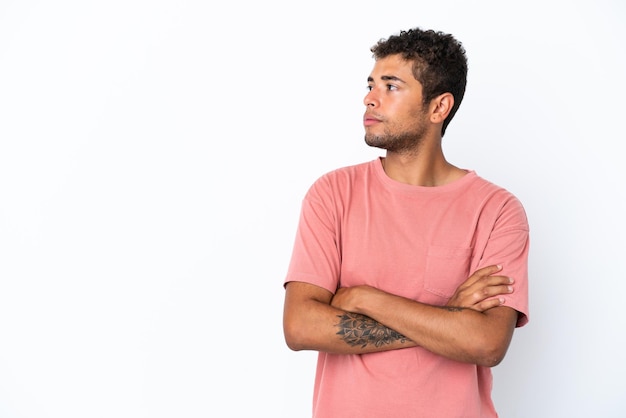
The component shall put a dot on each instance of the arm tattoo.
(356, 329)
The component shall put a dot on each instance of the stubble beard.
(402, 142)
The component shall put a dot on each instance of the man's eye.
(369, 88)
(391, 87)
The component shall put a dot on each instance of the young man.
(408, 274)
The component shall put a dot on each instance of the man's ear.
(440, 107)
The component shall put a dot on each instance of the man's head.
(439, 63)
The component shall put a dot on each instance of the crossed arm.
(473, 327)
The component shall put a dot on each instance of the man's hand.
(479, 291)
(346, 298)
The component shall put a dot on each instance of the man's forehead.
(392, 67)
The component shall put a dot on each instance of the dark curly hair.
(439, 63)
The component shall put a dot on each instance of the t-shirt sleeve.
(316, 256)
(508, 245)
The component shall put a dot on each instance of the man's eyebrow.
(392, 78)
(387, 78)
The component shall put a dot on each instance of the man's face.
(394, 118)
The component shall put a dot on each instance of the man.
(408, 274)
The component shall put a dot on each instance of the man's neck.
(429, 169)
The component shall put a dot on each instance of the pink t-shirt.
(358, 226)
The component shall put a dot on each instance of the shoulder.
(486, 188)
(347, 172)
(499, 200)
(343, 178)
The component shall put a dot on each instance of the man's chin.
(375, 142)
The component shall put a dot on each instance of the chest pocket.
(446, 269)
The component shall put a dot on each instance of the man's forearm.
(458, 333)
(358, 330)
(312, 324)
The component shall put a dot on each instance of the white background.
(153, 155)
